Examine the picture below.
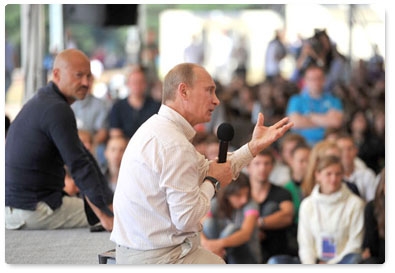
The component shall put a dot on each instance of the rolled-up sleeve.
(240, 159)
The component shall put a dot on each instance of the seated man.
(275, 206)
(128, 114)
(41, 140)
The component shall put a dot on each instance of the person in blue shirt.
(41, 140)
(312, 110)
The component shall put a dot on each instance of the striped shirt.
(160, 197)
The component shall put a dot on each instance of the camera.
(315, 43)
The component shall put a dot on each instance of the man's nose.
(216, 100)
(86, 80)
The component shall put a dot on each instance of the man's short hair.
(180, 73)
(269, 151)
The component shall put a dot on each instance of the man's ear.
(56, 75)
(183, 91)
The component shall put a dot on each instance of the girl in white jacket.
(331, 219)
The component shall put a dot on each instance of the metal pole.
(56, 40)
(33, 37)
(350, 26)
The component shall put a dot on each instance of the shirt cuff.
(239, 159)
(207, 189)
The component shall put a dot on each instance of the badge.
(328, 247)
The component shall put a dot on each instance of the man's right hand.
(264, 136)
(221, 171)
(105, 220)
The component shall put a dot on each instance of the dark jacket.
(42, 138)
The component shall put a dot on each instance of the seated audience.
(330, 226)
(312, 110)
(212, 147)
(331, 221)
(281, 173)
(374, 240)
(127, 115)
(298, 163)
(360, 130)
(275, 206)
(333, 134)
(230, 229)
(91, 115)
(364, 179)
(321, 149)
(199, 141)
(113, 154)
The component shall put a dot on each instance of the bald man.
(41, 140)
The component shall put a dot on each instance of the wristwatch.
(214, 181)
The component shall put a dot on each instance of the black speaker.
(101, 15)
(121, 14)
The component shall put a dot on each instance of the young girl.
(230, 229)
(331, 219)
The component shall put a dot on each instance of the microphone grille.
(225, 132)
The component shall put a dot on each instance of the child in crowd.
(113, 153)
(229, 229)
(298, 163)
(319, 150)
(331, 221)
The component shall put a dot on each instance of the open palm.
(263, 136)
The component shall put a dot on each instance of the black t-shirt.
(123, 116)
(276, 241)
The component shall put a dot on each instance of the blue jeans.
(283, 259)
(351, 258)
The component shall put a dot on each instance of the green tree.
(12, 26)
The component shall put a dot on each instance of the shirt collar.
(57, 90)
(172, 115)
(333, 198)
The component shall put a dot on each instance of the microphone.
(225, 134)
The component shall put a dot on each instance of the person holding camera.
(321, 51)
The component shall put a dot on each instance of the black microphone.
(225, 134)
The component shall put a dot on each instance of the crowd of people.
(316, 195)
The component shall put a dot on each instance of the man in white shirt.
(165, 186)
(363, 178)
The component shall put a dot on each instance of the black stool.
(107, 257)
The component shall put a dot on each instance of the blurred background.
(225, 38)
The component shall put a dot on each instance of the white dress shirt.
(365, 180)
(160, 197)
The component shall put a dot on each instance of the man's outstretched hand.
(263, 136)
